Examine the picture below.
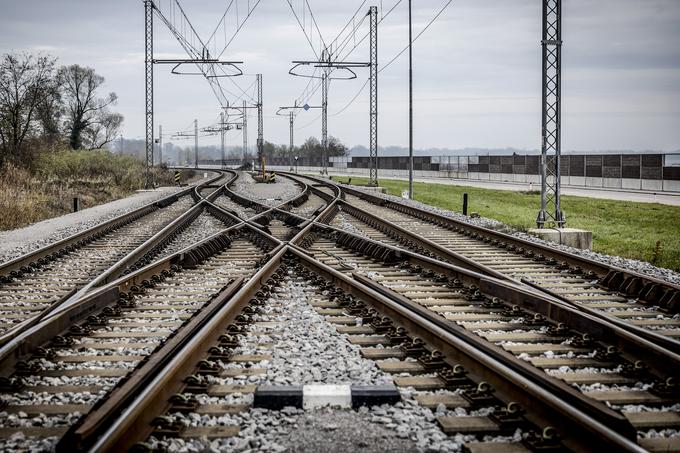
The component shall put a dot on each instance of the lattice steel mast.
(244, 128)
(373, 148)
(292, 147)
(148, 73)
(160, 144)
(551, 211)
(195, 143)
(260, 125)
(222, 137)
(324, 119)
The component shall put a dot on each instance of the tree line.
(309, 149)
(45, 107)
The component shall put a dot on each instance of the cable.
(417, 36)
(367, 34)
(290, 3)
(395, 57)
(311, 13)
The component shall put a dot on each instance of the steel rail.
(26, 342)
(671, 293)
(134, 422)
(34, 258)
(615, 278)
(579, 430)
(660, 360)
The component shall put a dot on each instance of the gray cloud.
(477, 73)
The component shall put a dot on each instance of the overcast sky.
(477, 75)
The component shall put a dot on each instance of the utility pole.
(260, 124)
(551, 210)
(121, 144)
(292, 122)
(373, 149)
(222, 136)
(410, 103)
(148, 73)
(324, 119)
(245, 133)
(195, 143)
(160, 145)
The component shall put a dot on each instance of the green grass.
(621, 228)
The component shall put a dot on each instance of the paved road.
(607, 194)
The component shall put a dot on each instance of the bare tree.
(50, 112)
(84, 109)
(102, 130)
(23, 78)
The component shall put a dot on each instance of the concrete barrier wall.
(650, 172)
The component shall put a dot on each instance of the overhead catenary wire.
(393, 59)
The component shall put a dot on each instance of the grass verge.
(47, 190)
(622, 228)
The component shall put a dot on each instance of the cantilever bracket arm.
(197, 61)
(295, 107)
(330, 65)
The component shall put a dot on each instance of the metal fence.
(656, 172)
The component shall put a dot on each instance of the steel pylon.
(551, 210)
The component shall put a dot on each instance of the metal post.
(410, 104)
(551, 210)
(148, 73)
(292, 122)
(160, 145)
(195, 143)
(324, 121)
(222, 137)
(373, 11)
(260, 125)
(244, 128)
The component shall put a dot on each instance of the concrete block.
(593, 182)
(611, 183)
(316, 396)
(572, 237)
(671, 186)
(630, 184)
(652, 184)
(374, 189)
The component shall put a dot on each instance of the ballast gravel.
(14, 243)
(204, 226)
(625, 263)
(304, 349)
(272, 194)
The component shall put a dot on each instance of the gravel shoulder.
(14, 243)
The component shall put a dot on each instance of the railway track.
(603, 371)
(218, 381)
(32, 285)
(644, 303)
(78, 366)
(233, 312)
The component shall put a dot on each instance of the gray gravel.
(14, 243)
(269, 194)
(625, 263)
(306, 349)
(204, 226)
